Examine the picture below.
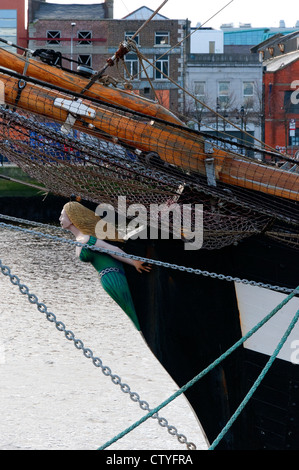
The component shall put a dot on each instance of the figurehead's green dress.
(112, 277)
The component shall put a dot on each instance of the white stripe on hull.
(254, 304)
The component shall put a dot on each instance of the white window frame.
(132, 65)
(162, 42)
(197, 83)
(129, 34)
(248, 97)
(223, 95)
(160, 62)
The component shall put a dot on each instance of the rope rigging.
(130, 44)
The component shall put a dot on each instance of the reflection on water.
(52, 397)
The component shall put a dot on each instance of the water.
(51, 396)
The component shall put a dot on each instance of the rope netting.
(100, 151)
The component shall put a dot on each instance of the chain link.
(80, 345)
(164, 264)
(97, 362)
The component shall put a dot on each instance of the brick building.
(77, 31)
(281, 95)
(89, 35)
(159, 43)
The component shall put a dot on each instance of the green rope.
(256, 383)
(214, 364)
(208, 369)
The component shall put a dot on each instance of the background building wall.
(280, 112)
(19, 36)
(206, 41)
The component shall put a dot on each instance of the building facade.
(88, 35)
(222, 69)
(13, 23)
(206, 41)
(229, 84)
(281, 92)
(78, 32)
(159, 44)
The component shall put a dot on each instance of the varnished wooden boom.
(76, 83)
(175, 146)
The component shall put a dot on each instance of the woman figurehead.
(82, 222)
(86, 221)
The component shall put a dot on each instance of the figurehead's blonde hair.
(86, 220)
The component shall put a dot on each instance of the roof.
(54, 11)
(266, 42)
(144, 13)
(252, 36)
(272, 65)
(275, 39)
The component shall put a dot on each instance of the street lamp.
(242, 112)
(217, 115)
(72, 37)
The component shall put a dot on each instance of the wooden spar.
(256, 176)
(76, 83)
(174, 145)
(142, 135)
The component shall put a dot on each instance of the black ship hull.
(189, 320)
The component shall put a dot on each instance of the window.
(85, 59)
(162, 38)
(129, 34)
(53, 37)
(200, 90)
(84, 37)
(162, 67)
(294, 139)
(132, 65)
(248, 91)
(200, 94)
(8, 27)
(223, 94)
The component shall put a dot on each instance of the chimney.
(109, 8)
(33, 6)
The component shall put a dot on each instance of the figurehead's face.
(64, 220)
(85, 220)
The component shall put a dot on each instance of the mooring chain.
(51, 317)
(221, 277)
